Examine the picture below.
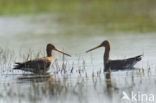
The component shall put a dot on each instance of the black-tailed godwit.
(40, 65)
(116, 64)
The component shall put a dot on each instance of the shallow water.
(23, 35)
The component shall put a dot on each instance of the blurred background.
(111, 15)
(23, 22)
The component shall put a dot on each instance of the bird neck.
(106, 54)
(49, 53)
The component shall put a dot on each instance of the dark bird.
(40, 65)
(116, 64)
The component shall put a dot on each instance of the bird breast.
(50, 59)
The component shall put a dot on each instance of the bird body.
(122, 64)
(40, 65)
(116, 64)
(35, 66)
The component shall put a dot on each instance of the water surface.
(83, 80)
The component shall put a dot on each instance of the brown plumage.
(116, 64)
(40, 65)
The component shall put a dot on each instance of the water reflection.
(49, 87)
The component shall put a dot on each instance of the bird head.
(103, 44)
(51, 47)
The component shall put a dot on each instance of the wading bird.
(116, 64)
(40, 65)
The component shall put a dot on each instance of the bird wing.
(124, 63)
(34, 64)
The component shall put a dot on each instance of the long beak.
(93, 48)
(62, 52)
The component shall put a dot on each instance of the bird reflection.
(35, 78)
(108, 81)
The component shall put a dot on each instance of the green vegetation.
(112, 15)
